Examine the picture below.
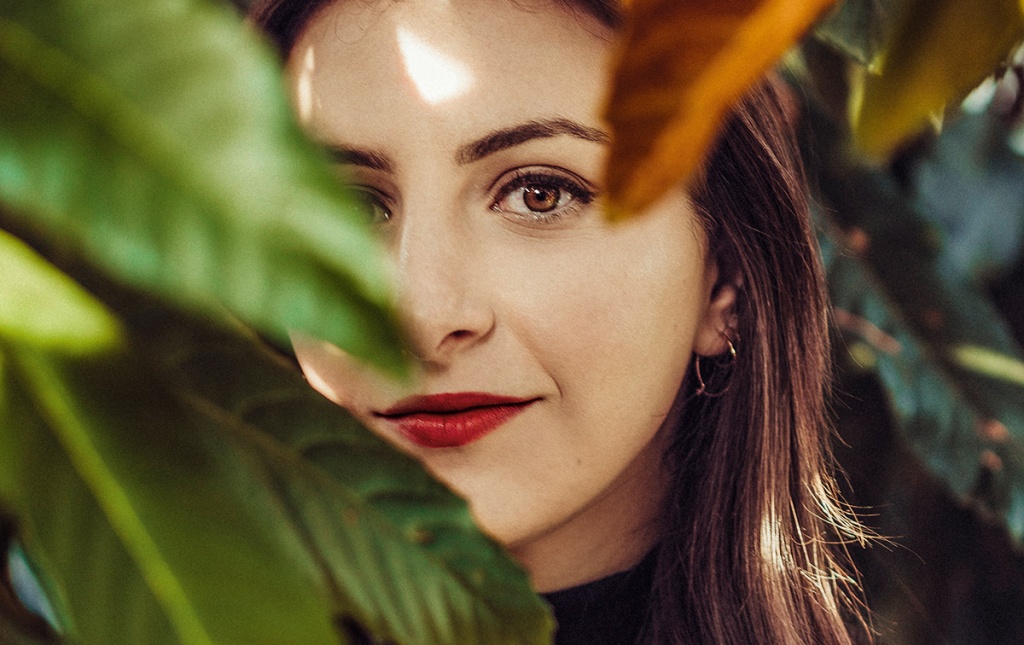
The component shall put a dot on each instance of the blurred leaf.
(95, 587)
(822, 72)
(903, 317)
(859, 28)
(116, 488)
(244, 508)
(989, 363)
(155, 137)
(43, 307)
(682, 67)
(938, 51)
(970, 184)
(931, 412)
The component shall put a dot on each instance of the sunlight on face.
(438, 77)
(304, 85)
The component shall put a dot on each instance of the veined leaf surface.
(154, 136)
(235, 505)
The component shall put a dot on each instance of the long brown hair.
(754, 515)
(752, 519)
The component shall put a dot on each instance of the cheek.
(613, 326)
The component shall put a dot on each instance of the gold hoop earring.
(702, 387)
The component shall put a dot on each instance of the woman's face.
(550, 344)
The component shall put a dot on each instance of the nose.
(440, 297)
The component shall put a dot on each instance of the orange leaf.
(683, 64)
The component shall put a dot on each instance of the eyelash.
(578, 192)
(579, 195)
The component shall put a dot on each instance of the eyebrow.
(360, 157)
(486, 145)
(517, 135)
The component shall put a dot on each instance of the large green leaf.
(406, 553)
(142, 518)
(154, 136)
(236, 507)
(99, 593)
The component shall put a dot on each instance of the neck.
(611, 534)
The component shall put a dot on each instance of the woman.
(636, 411)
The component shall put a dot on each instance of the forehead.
(486, 60)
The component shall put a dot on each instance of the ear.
(719, 314)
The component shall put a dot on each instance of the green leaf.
(91, 580)
(937, 52)
(223, 501)
(932, 412)
(154, 136)
(401, 549)
(42, 307)
(989, 363)
(117, 488)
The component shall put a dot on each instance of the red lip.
(451, 420)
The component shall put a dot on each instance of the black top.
(609, 611)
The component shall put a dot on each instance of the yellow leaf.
(682, 65)
(939, 51)
(989, 362)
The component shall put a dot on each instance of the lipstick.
(453, 419)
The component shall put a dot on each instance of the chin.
(502, 511)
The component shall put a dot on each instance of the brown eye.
(541, 198)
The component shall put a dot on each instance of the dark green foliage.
(931, 399)
(215, 498)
